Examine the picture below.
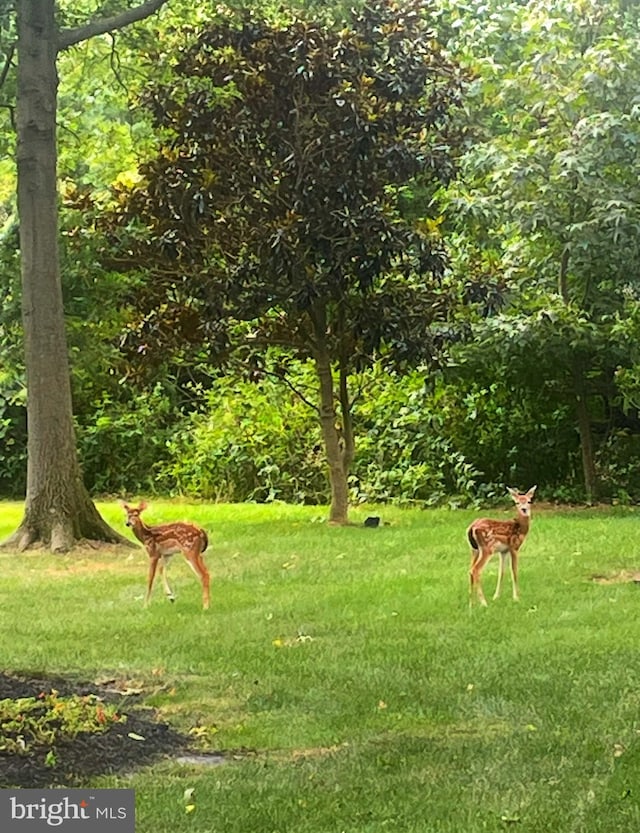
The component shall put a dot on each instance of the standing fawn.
(504, 537)
(163, 541)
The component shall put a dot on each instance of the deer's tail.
(205, 540)
(472, 540)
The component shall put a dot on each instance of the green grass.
(345, 666)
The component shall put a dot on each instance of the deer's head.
(133, 513)
(523, 501)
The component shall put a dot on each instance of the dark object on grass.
(372, 520)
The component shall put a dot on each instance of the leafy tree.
(58, 509)
(551, 197)
(276, 199)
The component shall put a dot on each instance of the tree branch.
(114, 62)
(12, 114)
(282, 377)
(7, 64)
(69, 37)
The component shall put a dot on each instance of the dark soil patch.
(88, 754)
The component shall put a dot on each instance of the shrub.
(256, 441)
(404, 453)
(123, 445)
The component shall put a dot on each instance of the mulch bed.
(88, 754)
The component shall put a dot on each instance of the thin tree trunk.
(58, 510)
(333, 443)
(334, 447)
(349, 442)
(583, 417)
(345, 399)
(586, 436)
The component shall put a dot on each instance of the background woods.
(418, 263)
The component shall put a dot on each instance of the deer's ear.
(124, 504)
(513, 492)
(142, 506)
(532, 491)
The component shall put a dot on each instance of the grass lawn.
(346, 668)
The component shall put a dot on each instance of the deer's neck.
(141, 531)
(524, 522)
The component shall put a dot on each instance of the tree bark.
(338, 453)
(333, 443)
(58, 510)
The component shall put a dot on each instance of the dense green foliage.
(549, 195)
(544, 220)
(421, 442)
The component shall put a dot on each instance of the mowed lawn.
(344, 668)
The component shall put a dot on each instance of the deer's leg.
(153, 566)
(164, 564)
(476, 569)
(514, 575)
(501, 567)
(475, 554)
(206, 582)
(196, 562)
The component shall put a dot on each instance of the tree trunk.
(333, 443)
(580, 391)
(58, 509)
(348, 436)
(586, 436)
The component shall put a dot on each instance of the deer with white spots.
(164, 540)
(487, 536)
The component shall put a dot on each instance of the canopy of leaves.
(549, 198)
(276, 196)
(553, 189)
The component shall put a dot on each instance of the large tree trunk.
(58, 509)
